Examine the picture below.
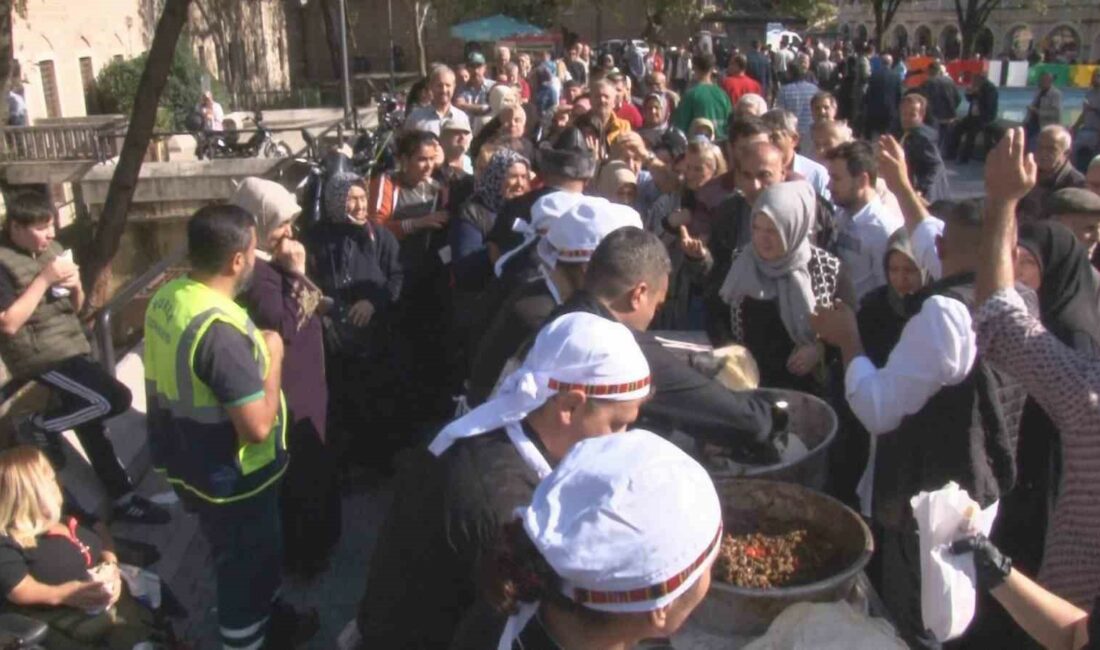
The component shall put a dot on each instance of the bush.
(117, 86)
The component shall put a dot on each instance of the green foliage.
(117, 86)
(816, 12)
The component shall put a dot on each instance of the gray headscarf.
(488, 184)
(336, 196)
(786, 280)
(899, 242)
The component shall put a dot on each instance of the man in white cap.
(616, 547)
(564, 253)
(584, 377)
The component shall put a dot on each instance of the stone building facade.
(61, 45)
(1066, 31)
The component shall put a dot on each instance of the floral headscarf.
(488, 184)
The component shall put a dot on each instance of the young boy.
(41, 339)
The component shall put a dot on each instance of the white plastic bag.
(947, 592)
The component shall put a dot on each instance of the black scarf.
(1067, 296)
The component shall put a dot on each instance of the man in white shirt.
(431, 117)
(783, 127)
(863, 224)
(937, 414)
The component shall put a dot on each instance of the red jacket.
(629, 112)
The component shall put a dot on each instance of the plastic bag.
(827, 626)
(947, 592)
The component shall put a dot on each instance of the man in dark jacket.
(1056, 171)
(926, 169)
(883, 95)
(943, 101)
(759, 67)
(980, 117)
(626, 282)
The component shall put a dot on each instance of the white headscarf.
(628, 522)
(270, 203)
(575, 351)
(575, 235)
(786, 280)
(544, 211)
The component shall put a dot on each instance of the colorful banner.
(1081, 75)
(961, 71)
(1060, 72)
(918, 70)
(1017, 74)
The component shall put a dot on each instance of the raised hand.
(892, 167)
(1010, 172)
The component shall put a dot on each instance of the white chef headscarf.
(574, 352)
(628, 522)
(574, 236)
(544, 212)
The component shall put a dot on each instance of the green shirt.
(704, 100)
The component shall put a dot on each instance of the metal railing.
(104, 340)
(58, 143)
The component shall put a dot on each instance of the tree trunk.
(419, 24)
(332, 37)
(6, 56)
(112, 221)
(880, 26)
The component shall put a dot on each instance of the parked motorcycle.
(226, 143)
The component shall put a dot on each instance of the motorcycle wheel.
(278, 149)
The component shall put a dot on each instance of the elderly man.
(1045, 109)
(982, 114)
(431, 117)
(750, 105)
(657, 82)
(785, 134)
(1092, 178)
(926, 169)
(457, 494)
(605, 97)
(1056, 172)
(1079, 210)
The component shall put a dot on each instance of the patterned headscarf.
(489, 183)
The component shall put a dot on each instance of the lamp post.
(345, 71)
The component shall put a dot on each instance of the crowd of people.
(474, 323)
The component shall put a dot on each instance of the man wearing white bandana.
(584, 377)
(616, 547)
(563, 252)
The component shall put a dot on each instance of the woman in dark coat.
(280, 298)
(356, 265)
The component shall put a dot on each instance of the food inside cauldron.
(762, 561)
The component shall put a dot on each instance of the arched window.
(901, 37)
(983, 45)
(1062, 44)
(951, 42)
(1020, 39)
(924, 37)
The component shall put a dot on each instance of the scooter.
(225, 144)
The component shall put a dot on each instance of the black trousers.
(84, 395)
(963, 137)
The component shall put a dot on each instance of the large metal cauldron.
(812, 420)
(774, 507)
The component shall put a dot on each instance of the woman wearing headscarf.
(617, 183)
(654, 119)
(883, 312)
(356, 265)
(882, 316)
(1055, 265)
(280, 298)
(776, 283)
(616, 546)
(506, 176)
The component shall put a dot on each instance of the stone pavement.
(966, 180)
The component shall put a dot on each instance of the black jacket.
(943, 98)
(926, 169)
(350, 263)
(446, 512)
(683, 398)
(987, 98)
(883, 96)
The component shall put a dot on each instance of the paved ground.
(966, 180)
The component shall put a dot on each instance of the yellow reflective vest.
(192, 439)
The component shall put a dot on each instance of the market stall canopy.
(494, 28)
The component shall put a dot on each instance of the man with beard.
(863, 224)
(217, 424)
